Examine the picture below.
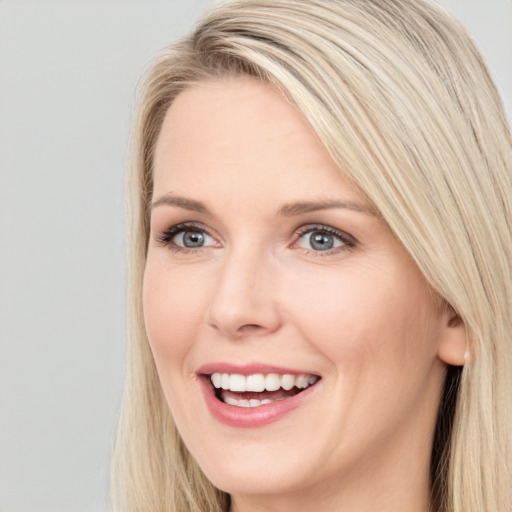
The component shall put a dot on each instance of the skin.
(361, 315)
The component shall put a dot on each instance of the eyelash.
(166, 237)
(348, 241)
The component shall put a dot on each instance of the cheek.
(360, 318)
(172, 303)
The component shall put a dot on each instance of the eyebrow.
(287, 210)
(181, 202)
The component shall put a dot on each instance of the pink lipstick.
(254, 395)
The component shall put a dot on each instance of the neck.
(400, 486)
(368, 498)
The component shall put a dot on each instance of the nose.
(244, 302)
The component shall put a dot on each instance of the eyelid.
(164, 238)
(348, 240)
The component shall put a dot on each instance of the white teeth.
(258, 382)
(217, 380)
(245, 403)
(255, 382)
(238, 403)
(272, 382)
(236, 382)
(287, 381)
(301, 381)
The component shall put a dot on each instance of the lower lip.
(251, 417)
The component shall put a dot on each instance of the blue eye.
(185, 237)
(192, 239)
(322, 239)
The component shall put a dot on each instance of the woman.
(321, 285)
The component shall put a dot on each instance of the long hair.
(400, 96)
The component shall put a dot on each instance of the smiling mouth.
(258, 389)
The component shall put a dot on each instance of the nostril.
(248, 328)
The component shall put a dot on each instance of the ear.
(453, 343)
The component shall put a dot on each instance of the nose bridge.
(244, 300)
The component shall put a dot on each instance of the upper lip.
(249, 369)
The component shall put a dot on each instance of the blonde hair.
(402, 100)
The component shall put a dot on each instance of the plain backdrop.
(68, 74)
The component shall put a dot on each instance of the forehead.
(238, 136)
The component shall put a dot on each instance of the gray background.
(68, 72)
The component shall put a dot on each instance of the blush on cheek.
(170, 316)
(167, 332)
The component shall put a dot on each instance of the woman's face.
(267, 269)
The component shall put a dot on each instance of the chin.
(258, 468)
(256, 480)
